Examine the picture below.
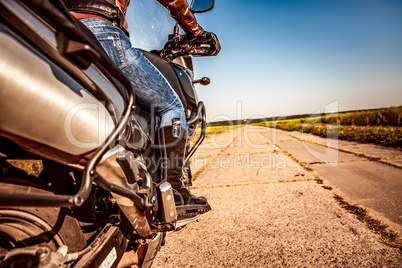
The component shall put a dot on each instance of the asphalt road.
(268, 211)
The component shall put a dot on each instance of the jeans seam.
(118, 41)
(99, 24)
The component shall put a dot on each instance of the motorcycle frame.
(90, 56)
(84, 55)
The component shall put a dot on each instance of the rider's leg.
(151, 87)
(173, 141)
(152, 90)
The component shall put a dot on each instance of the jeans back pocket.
(111, 43)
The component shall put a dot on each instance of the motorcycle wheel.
(22, 227)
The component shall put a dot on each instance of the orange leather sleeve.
(180, 11)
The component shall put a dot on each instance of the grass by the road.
(381, 126)
(377, 226)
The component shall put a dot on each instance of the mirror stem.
(176, 29)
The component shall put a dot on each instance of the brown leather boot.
(172, 141)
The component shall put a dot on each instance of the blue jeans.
(150, 86)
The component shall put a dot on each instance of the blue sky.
(284, 57)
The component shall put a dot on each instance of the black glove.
(209, 38)
(190, 37)
(205, 44)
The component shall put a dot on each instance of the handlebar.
(206, 44)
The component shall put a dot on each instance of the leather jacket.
(111, 10)
(179, 10)
(115, 11)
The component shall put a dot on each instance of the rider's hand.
(212, 40)
(190, 37)
(205, 38)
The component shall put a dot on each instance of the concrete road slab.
(251, 143)
(311, 153)
(251, 157)
(368, 183)
(275, 225)
(220, 140)
(276, 217)
(373, 184)
(212, 147)
(393, 155)
(246, 168)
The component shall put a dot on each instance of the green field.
(380, 126)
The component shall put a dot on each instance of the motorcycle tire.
(36, 226)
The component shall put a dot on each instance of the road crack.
(337, 162)
(248, 184)
(368, 157)
(388, 236)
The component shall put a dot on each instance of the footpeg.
(192, 210)
(184, 222)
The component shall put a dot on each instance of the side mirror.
(203, 81)
(200, 6)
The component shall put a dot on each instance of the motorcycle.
(63, 103)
